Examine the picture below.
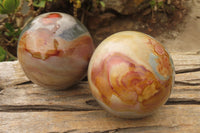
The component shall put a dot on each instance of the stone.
(54, 50)
(131, 74)
(125, 7)
(100, 20)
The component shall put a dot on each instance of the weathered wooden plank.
(12, 74)
(26, 107)
(17, 93)
(170, 118)
(190, 78)
(31, 97)
(186, 61)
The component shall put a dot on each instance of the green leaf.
(102, 4)
(9, 27)
(12, 32)
(17, 3)
(152, 3)
(40, 4)
(11, 58)
(3, 54)
(7, 34)
(160, 4)
(8, 6)
(2, 10)
(18, 32)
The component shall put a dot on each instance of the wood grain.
(186, 61)
(26, 107)
(31, 97)
(176, 119)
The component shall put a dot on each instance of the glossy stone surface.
(54, 50)
(131, 74)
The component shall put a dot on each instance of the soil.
(186, 35)
(177, 31)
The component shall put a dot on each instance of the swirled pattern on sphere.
(54, 50)
(131, 74)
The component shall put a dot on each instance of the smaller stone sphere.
(54, 50)
(131, 74)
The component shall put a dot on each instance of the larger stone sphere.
(54, 50)
(131, 74)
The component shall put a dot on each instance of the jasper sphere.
(131, 74)
(54, 50)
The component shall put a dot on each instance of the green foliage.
(157, 5)
(6, 56)
(102, 4)
(8, 6)
(3, 54)
(152, 3)
(160, 4)
(11, 58)
(40, 3)
(11, 32)
(93, 4)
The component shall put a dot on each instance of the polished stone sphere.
(54, 50)
(131, 74)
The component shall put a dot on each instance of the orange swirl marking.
(40, 43)
(164, 65)
(51, 18)
(54, 15)
(156, 46)
(121, 76)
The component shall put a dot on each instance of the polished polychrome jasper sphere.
(54, 50)
(131, 74)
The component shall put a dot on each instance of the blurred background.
(175, 23)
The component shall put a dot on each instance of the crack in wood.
(178, 102)
(140, 128)
(39, 108)
(68, 131)
(92, 103)
(187, 70)
(25, 83)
